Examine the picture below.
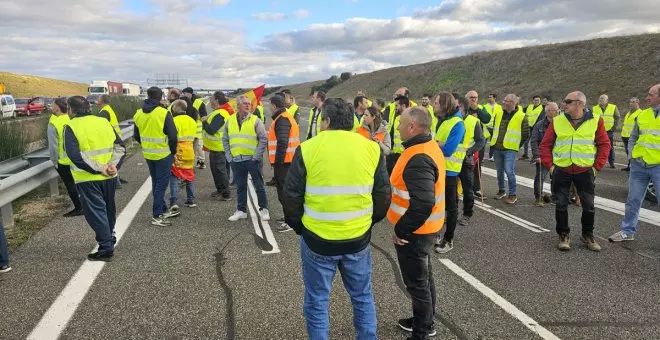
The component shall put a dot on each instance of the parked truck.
(132, 90)
(99, 87)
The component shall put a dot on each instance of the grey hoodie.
(386, 145)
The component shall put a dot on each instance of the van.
(7, 106)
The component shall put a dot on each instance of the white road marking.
(645, 215)
(255, 217)
(500, 301)
(56, 318)
(511, 218)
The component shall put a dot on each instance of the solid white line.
(269, 233)
(645, 215)
(511, 218)
(500, 301)
(56, 318)
(522, 220)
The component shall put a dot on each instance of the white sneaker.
(174, 211)
(238, 215)
(265, 215)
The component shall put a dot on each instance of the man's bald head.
(403, 91)
(414, 121)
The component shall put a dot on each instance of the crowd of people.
(360, 162)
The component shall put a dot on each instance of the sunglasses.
(570, 101)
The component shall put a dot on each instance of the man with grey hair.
(245, 140)
(574, 148)
(628, 124)
(509, 130)
(610, 114)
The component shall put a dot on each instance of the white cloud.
(301, 13)
(269, 16)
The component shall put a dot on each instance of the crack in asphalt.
(446, 321)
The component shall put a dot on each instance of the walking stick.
(480, 185)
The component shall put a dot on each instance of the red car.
(29, 106)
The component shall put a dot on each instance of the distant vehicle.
(142, 96)
(99, 87)
(28, 106)
(132, 90)
(7, 106)
(48, 101)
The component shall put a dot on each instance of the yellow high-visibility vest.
(152, 138)
(629, 123)
(574, 146)
(455, 161)
(318, 123)
(608, 115)
(96, 139)
(513, 135)
(492, 111)
(197, 104)
(242, 141)
(648, 144)
(533, 114)
(338, 203)
(113, 119)
(214, 142)
(470, 122)
(59, 122)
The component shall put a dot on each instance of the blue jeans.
(318, 272)
(241, 171)
(174, 190)
(160, 172)
(98, 202)
(4, 253)
(505, 162)
(637, 183)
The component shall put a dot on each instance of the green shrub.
(125, 106)
(11, 139)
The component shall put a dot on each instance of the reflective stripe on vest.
(401, 197)
(513, 135)
(293, 142)
(608, 115)
(338, 203)
(197, 104)
(59, 122)
(533, 114)
(242, 141)
(574, 146)
(96, 139)
(492, 111)
(648, 143)
(455, 161)
(397, 143)
(153, 140)
(629, 123)
(186, 128)
(113, 119)
(318, 123)
(470, 122)
(214, 142)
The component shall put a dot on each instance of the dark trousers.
(610, 158)
(241, 171)
(65, 174)
(539, 179)
(391, 160)
(584, 184)
(160, 172)
(625, 145)
(98, 203)
(219, 171)
(476, 185)
(415, 262)
(280, 172)
(4, 252)
(467, 178)
(526, 143)
(451, 206)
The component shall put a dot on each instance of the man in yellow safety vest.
(532, 112)
(200, 107)
(628, 124)
(610, 114)
(314, 121)
(214, 127)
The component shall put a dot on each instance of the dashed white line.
(511, 218)
(500, 301)
(56, 318)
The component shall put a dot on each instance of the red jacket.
(602, 145)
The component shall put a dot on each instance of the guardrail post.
(54, 187)
(7, 215)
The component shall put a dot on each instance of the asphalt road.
(207, 278)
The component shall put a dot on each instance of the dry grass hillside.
(621, 67)
(20, 85)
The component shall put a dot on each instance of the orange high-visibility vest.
(294, 139)
(401, 197)
(365, 132)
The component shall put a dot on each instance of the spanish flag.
(254, 95)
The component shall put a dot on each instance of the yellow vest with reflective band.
(318, 122)
(533, 114)
(470, 122)
(113, 119)
(214, 142)
(96, 139)
(648, 143)
(434, 119)
(197, 104)
(59, 122)
(574, 146)
(357, 122)
(186, 128)
(153, 140)
(242, 141)
(397, 143)
(513, 135)
(629, 123)
(293, 110)
(260, 113)
(608, 115)
(492, 112)
(338, 204)
(455, 160)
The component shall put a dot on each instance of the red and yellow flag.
(254, 95)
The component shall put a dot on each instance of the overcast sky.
(230, 43)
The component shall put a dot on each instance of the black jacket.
(213, 126)
(294, 193)
(282, 129)
(420, 174)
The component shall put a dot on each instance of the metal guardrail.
(20, 176)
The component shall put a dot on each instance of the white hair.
(581, 97)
